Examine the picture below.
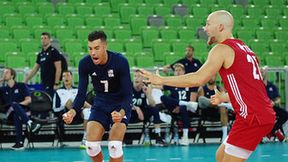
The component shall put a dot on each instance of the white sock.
(185, 133)
(84, 135)
(224, 132)
(183, 103)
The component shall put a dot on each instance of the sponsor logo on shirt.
(43, 59)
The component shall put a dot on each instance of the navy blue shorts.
(103, 116)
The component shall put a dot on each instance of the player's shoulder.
(21, 84)
(270, 84)
(116, 55)
(221, 49)
(196, 60)
(182, 60)
(85, 60)
(117, 58)
(52, 48)
(62, 91)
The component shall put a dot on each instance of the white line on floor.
(150, 159)
(265, 156)
(197, 158)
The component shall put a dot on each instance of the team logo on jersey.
(142, 95)
(271, 89)
(187, 89)
(195, 64)
(16, 91)
(43, 59)
(94, 74)
(110, 73)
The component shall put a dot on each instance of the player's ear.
(105, 45)
(221, 27)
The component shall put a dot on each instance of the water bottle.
(176, 136)
(167, 135)
(146, 137)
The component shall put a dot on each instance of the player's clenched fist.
(68, 117)
(117, 116)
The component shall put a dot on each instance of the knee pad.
(86, 113)
(115, 149)
(93, 148)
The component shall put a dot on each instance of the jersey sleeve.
(82, 86)
(26, 91)
(56, 55)
(57, 102)
(126, 86)
(38, 59)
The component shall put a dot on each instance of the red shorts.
(248, 136)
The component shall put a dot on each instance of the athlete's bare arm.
(32, 73)
(219, 56)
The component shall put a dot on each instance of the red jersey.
(245, 86)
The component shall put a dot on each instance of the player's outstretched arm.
(217, 58)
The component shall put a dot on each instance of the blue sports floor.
(273, 152)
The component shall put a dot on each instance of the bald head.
(223, 17)
(219, 26)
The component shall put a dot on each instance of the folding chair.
(42, 105)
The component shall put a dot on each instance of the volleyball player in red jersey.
(239, 70)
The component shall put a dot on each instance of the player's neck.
(68, 86)
(137, 88)
(11, 83)
(46, 47)
(190, 58)
(224, 36)
(105, 59)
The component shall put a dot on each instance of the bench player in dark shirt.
(16, 98)
(281, 113)
(144, 106)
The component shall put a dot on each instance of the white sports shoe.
(192, 106)
(184, 141)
